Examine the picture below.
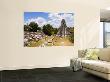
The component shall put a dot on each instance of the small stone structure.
(62, 31)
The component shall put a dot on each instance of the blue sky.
(42, 18)
(29, 15)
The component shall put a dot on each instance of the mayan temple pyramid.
(62, 31)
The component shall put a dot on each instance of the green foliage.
(38, 28)
(71, 30)
(55, 30)
(34, 27)
(48, 30)
(72, 38)
(71, 35)
(26, 28)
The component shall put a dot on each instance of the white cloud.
(39, 20)
(55, 19)
(69, 19)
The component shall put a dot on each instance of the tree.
(26, 28)
(48, 30)
(72, 37)
(34, 27)
(55, 30)
(71, 30)
(38, 28)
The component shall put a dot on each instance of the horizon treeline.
(47, 29)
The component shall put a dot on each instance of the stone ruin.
(63, 29)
